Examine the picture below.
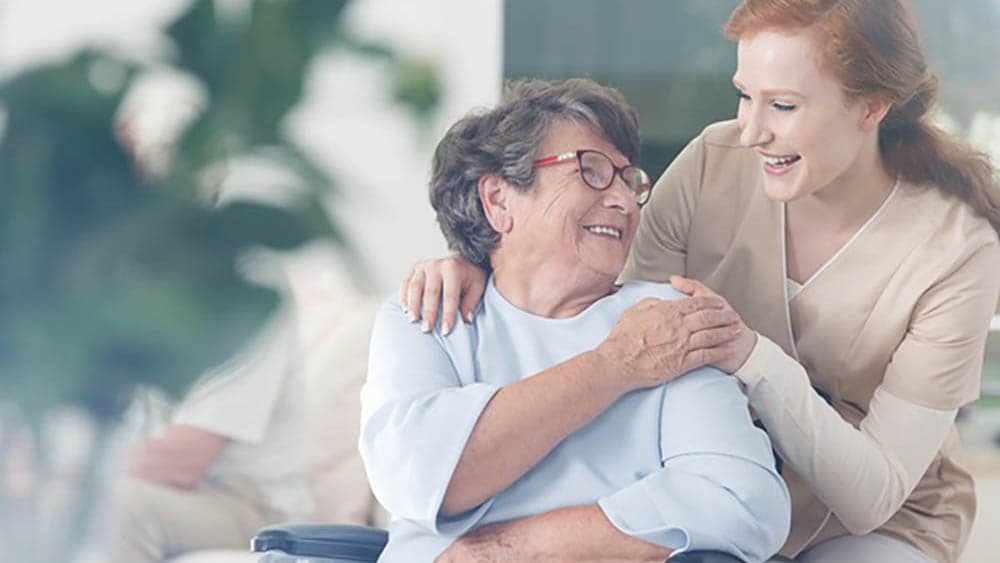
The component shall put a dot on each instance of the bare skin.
(819, 155)
(456, 286)
(549, 264)
(575, 533)
(519, 427)
(179, 459)
(790, 106)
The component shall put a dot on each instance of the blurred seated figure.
(229, 458)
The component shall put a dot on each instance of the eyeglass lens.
(599, 172)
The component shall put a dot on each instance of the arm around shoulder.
(933, 371)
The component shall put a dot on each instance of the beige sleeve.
(939, 363)
(660, 246)
(862, 474)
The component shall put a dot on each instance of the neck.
(851, 199)
(546, 292)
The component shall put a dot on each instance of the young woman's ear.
(876, 107)
(493, 193)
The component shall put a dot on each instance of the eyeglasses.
(598, 172)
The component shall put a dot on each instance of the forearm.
(524, 422)
(180, 458)
(582, 533)
(880, 462)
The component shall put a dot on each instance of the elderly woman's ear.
(493, 193)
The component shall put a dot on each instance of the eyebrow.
(772, 91)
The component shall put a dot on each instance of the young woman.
(859, 244)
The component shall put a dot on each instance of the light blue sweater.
(680, 465)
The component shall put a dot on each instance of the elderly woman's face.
(565, 222)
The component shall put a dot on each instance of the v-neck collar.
(850, 242)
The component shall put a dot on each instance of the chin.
(611, 269)
(605, 262)
(778, 190)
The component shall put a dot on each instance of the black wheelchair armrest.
(363, 544)
(330, 541)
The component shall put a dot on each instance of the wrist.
(603, 369)
(743, 353)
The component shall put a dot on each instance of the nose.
(618, 196)
(753, 129)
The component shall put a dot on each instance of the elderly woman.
(489, 442)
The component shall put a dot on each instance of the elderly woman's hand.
(741, 345)
(656, 340)
(445, 282)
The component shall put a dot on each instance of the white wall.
(378, 154)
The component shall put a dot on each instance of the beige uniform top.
(890, 334)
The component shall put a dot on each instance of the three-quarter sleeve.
(417, 415)
(660, 246)
(717, 487)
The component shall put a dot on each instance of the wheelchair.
(325, 543)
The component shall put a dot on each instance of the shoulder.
(952, 232)
(392, 324)
(715, 139)
(720, 162)
(724, 134)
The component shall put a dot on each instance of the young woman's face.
(794, 114)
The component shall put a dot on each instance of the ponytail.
(919, 152)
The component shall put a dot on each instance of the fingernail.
(426, 326)
(468, 317)
(412, 316)
(446, 329)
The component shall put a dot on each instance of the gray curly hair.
(505, 141)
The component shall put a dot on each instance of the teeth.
(600, 230)
(779, 160)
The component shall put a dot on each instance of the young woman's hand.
(657, 340)
(742, 344)
(451, 283)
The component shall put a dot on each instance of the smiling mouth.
(604, 230)
(779, 162)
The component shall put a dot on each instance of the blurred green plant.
(110, 278)
(113, 277)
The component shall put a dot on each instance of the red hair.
(872, 47)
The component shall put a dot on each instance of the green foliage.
(109, 279)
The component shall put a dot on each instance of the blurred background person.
(228, 460)
(668, 58)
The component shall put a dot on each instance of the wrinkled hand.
(656, 340)
(451, 283)
(742, 344)
(496, 543)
